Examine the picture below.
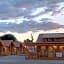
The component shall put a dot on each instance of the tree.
(27, 41)
(8, 37)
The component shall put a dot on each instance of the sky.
(23, 17)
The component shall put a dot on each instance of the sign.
(58, 54)
(31, 49)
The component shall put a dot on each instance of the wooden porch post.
(36, 51)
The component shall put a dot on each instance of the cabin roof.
(17, 44)
(6, 42)
(49, 35)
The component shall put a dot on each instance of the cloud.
(27, 15)
(26, 26)
(38, 10)
(16, 8)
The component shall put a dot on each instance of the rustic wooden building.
(9, 47)
(48, 46)
(17, 45)
(1, 48)
(21, 48)
(5, 47)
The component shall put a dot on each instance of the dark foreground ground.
(20, 60)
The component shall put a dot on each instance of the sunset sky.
(23, 17)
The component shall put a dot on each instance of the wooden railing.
(31, 55)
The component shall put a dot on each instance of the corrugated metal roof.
(49, 35)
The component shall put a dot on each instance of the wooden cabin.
(1, 48)
(9, 47)
(47, 47)
(17, 45)
(13, 48)
(5, 47)
(21, 48)
(7, 44)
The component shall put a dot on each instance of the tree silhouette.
(8, 37)
(27, 41)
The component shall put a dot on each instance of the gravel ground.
(20, 60)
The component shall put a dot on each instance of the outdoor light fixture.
(61, 47)
(15, 48)
(55, 47)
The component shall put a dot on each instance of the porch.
(45, 51)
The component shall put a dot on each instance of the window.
(48, 40)
(59, 39)
(52, 39)
(55, 40)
